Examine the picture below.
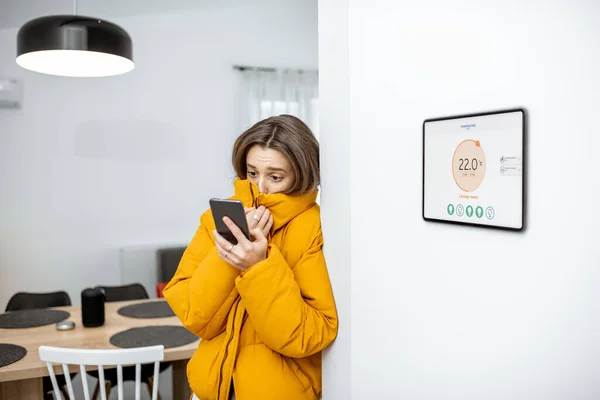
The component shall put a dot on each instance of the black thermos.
(92, 307)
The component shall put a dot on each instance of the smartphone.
(234, 209)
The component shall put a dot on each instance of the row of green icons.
(469, 210)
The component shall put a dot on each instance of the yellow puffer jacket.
(263, 328)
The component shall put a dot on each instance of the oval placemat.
(167, 335)
(11, 353)
(31, 318)
(153, 309)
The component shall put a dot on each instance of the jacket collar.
(283, 207)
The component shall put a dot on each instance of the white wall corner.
(335, 178)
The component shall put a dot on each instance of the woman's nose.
(261, 186)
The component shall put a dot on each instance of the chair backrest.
(134, 291)
(26, 301)
(168, 261)
(101, 358)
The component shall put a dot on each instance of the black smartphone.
(234, 209)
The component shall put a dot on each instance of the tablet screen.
(473, 169)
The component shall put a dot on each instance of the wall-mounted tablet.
(473, 169)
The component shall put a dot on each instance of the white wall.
(445, 312)
(336, 210)
(89, 166)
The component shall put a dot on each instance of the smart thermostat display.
(473, 169)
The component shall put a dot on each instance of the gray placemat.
(10, 353)
(168, 336)
(154, 309)
(31, 318)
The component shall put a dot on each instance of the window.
(269, 92)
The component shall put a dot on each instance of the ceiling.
(14, 13)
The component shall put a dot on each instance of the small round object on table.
(65, 326)
(31, 318)
(152, 309)
(167, 335)
(11, 353)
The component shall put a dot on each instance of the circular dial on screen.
(468, 165)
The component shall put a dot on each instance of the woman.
(264, 307)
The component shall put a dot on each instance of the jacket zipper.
(232, 324)
(226, 351)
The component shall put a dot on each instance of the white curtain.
(266, 93)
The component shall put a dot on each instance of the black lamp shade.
(71, 45)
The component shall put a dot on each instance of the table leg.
(181, 387)
(30, 389)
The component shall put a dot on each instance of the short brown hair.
(290, 136)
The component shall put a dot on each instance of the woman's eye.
(276, 178)
(252, 174)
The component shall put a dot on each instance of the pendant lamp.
(76, 46)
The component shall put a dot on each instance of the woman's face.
(270, 170)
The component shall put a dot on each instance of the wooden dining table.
(23, 379)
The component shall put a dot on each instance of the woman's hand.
(259, 217)
(245, 253)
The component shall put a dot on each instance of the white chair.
(101, 358)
